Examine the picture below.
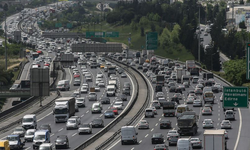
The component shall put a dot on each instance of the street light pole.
(5, 38)
(199, 46)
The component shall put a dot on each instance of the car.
(97, 89)
(196, 143)
(99, 75)
(101, 84)
(161, 147)
(126, 91)
(221, 97)
(115, 110)
(165, 124)
(62, 141)
(219, 87)
(186, 84)
(92, 96)
(123, 75)
(76, 108)
(143, 124)
(182, 87)
(45, 127)
(160, 94)
(117, 105)
(19, 131)
(76, 75)
(200, 86)
(105, 100)
(172, 89)
(80, 101)
(207, 123)
(84, 89)
(190, 100)
(172, 133)
(229, 115)
(225, 124)
(209, 105)
(157, 138)
(29, 135)
(72, 123)
(14, 142)
(197, 103)
(178, 95)
(172, 140)
(206, 111)
(123, 97)
(102, 66)
(85, 128)
(156, 104)
(198, 91)
(97, 123)
(154, 110)
(109, 114)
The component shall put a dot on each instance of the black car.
(120, 70)
(62, 141)
(97, 123)
(126, 85)
(158, 88)
(178, 90)
(126, 91)
(157, 138)
(109, 114)
(165, 124)
(161, 147)
(123, 97)
(145, 70)
(139, 67)
(105, 100)
(172, 89)
(45, 127)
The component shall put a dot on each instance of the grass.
(13, 61)
(137, 41)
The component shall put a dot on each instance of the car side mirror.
(136, 133)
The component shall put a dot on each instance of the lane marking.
(152, 129)
(156, 124)
(82, 115)
(146, 135)
(27, 148)
(74, 134)
(60, 130)
(87, 112)
(239, 131)
(132, 148)
(51, 134)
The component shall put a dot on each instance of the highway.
(144, 136)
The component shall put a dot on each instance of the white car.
(85, 128)
(101, 84)
(84, 89)
(118, 105)
(172, 133)
(207, 123)
(99, 75)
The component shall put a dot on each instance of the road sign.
(235, 97)
(69, 25)
(151, 40)
(112, 34)
(58, 25)
(95, 34)
(248, 61)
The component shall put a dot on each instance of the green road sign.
(151, 40)
(112, 34)
(248, 61)
(235, 97)
(58, 25)
(95, 34)
(69, 25)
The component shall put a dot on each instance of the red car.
(47, 64)
(114, 110)
(76, 75)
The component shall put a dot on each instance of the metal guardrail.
(136, 117)
(111, 124)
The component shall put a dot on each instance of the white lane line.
(44, 116)
(239, 131)
(146, 135)
(27, 148)
(218, 114)
(152, 129)
(160, 119)
(51, 134)
(132, 148)
(219, 119)
(140, 141)
(71, 78)
(156, 124)
(74, 134)
(101, 115)
(60, 130)
(82, 115)
(87, 112)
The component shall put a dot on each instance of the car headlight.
(64, 142)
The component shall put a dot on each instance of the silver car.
(29, 135)
(196, 143)
(85, 128)
(225, 124)
(19, 131)
(207, 123)
(117, 105)
(206, 111)
(197, 103)
(143, 124)
(72, 123)
(92, 96)
(190, 100)
(80, 102)
(156, 104)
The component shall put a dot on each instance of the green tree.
(152, 26)
(175, 34)
(165, 38)
(156, 18)
(242, 25)
(133, 25)
(144, 21)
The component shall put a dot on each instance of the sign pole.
(248, 61)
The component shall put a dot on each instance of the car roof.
(13, 135)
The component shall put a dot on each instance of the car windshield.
(157, 135)
(61, 111)
(27, 119)
(44, 148)
(97, 121)
(96, 106)
(12, 138)
(39, 137)
(85, 125)
(80, 100)
(30, 133)
(172, 132)
(71, 121)
(18, 129)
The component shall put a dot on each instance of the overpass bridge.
(16, 93)
(62, 35)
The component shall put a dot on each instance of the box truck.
(214, 140)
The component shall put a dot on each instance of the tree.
(242, 25)
(144, 21)
(133, 25)
(142, 31)
(156, 18)
(165, 38)
(152, 26)
(175, 34)
(5, 7)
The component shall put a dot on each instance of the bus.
(181, 109)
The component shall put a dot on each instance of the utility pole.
(5, 38)
(199, 44)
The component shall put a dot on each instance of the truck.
(64, 109)
(15, 142)
(164, 62)
(187, 123)
(144, 53)
(214, 140)
(21, 84)
(35, 55)
(160, 80)
(67, 57)
(153, 60)
(168, 108)
(111, 70)
(190, 64)
(4, 145)
(180, 72)
(195, 71)
(112, 82)
(141, 60)
(207, 76)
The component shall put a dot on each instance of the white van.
(46, 146)
(184, 144)
(63, 85)
(111, 90)
(128, 135)
(181, 109)
(40, 137)
(149, 113)
(29, 121)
